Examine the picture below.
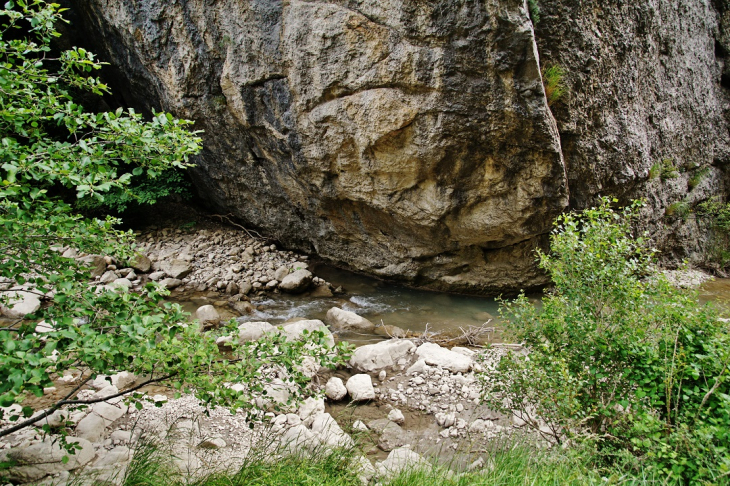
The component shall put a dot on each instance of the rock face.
(413, 139)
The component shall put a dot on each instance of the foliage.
(534, 9)
(141, 191)
(47, 141)
(515, 464)
(619, 356)
(553, 80)
(664, 169)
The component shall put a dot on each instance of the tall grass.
(518, 465)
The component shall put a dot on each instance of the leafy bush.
(552, 78)
(618, 356)
(47, 140)
(142, 190)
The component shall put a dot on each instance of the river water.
(411, 309)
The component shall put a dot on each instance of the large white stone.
(45, 458)
(207, 315)
(384, 354)
(295, 330)
(309, 409)
(19, 304)
(340, 319)
(399, 460)
(335, 389)
(176, 268)
(251, 331)
(91, 428)
(329, 432)
(360, 387)
(435, 355)
(296, 282)
(123, 380)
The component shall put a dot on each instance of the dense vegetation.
(619, 357)
(50, 145)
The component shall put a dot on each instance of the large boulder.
(340, 319)
(297, 282)
(45, 458)
(372, 357)
(435, 355)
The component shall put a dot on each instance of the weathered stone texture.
(413, 139)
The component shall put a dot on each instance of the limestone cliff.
(413, 139)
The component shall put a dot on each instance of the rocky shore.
(422, 401)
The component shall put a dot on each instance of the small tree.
(617, 355)
(49, 142)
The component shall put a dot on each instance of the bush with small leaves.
(618, 356)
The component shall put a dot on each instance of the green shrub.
(143, 190)
(534, 9)
(552, 78)
(618, 356)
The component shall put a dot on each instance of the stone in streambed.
(385, 354)
(340, 319)
(335, 389)
(296, 282)
(360, 387)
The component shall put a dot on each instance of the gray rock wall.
(412, 139)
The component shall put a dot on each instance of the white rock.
(335, 389)
(44, 459)
(91, 428)
(121, 283)
(384, 354)
(295, 330)
(176, 268)
(108, 277)
(310, 408)
(359, 425)
(296, 282)
(123, 379)
(20, 304)
(298, 439)
(251, 331)
(340, 319)
(399, 460)
(435, 355)
(171, 283)
(108, 412)
(207, 315)
(329, 432)
(155, 276)
(396, 416)
(360, 387)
